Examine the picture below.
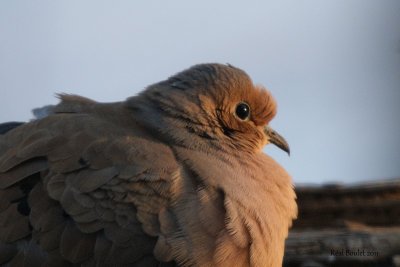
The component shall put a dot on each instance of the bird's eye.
(242, 111)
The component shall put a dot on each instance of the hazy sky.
(333, 66)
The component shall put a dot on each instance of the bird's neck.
(174, 126)
(258, 200)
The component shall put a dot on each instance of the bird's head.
(219, 102)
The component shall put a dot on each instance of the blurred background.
(333, 66)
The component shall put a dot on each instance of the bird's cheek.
(256, 140)
(265, 142)
(263, 139)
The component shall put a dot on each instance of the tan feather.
(13, 226)
(89, 180)
(76, 246)
(174, 175)
(8, 196)
(24, 170)
(50, 240)
(7, 252)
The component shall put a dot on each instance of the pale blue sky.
(333, 66)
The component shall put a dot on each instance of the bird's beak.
(276, 139)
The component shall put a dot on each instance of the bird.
(172, 176)
(7, 126)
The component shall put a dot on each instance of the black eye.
(243, 111)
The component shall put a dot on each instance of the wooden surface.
(355, 225)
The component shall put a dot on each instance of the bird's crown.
(228, 87)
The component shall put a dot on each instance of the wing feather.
(98, 195)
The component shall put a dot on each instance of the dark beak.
(276, 139)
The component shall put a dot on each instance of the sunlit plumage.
(175, 175)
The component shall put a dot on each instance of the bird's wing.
(8, 126)
(81, 188)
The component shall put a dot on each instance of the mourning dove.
(173, 176)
